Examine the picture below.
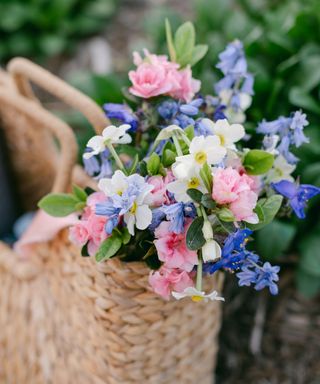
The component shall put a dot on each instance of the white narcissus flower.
(207, 230)
(110, 135)
(228, 133)
(211, 251)
(281, 170)
(197, 295)
(187, 177)
(114, 186)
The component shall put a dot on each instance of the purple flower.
(98, 166)
(298, 195)
(192, 108)
(232, 59)
(122, 113)
(176, 214)
(183, 121)
(168, 109)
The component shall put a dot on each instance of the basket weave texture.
(66, 319)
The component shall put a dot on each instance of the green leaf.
(310, 255)
(308, 284)
(58, 205)
(170, 44)
(195, 238)
(206, 176)
(143, 168)
(189, 131)
(84, 251)
(195, 194)
(79, 193)
(168, 157)
(133, 167)
(258, 162)
(269, 208)
(184, 41)
(153, 164)
(109, 247)
(302, 99)
(207, 201)
(274, 239)
(199, 51)
(225, 214)
(125, 236)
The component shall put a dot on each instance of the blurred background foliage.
(42, 28)
(281, 40)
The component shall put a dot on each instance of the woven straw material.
(65, 319)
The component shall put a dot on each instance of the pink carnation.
(79, 234)
(166, 280)
(228, 184)
(172, 248)
(187, 86)
(156, 75)
(159, 194)
(243, 207)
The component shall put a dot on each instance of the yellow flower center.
(133, 208)
(222, 139)
(193, 182)
(119, 192)
(196, 298)
(201, 157)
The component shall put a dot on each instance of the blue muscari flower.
(247, 85)
(98, 166)
(183, 121)
(192, 108)
(298, 195)
(290, 132)
(176, 214)
(122, 113)
(260, 276)
(168, 109)
(232, 59)
(108, 209)
(233, 252)
(219, 114)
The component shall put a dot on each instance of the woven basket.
(65, 319)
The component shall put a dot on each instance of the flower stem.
(199, 274)
(177, 145)
(117, 158)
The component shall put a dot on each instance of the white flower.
(281, 170)
(234, 116)
(168, 132)
(114, 186)
(111, 135)
(228, 133)
(207, 230)
(211, 251)
(197, 295)
(270, 144)
(187, 177)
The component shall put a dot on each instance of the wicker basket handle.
(63, 133)
(23, 71)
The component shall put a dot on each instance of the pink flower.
(228, 184)
(156, 75)
(172, 248)
(166, 280)
(159, 194)
(187, 86)
(79, 234)
(243, 207)
(96, 228)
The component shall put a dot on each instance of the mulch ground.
(269, 340)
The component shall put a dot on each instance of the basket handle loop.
(23, 71)
(62, 132)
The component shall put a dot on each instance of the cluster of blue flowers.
(236, 257)
(237, 80)
(285, 132)
(122, 113)
(98, 167)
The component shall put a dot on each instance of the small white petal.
(96, 143)
(211, 251)
(129, 219)
(143, 216)
(254, 219)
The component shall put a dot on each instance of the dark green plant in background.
(282, 44)
(42, 28)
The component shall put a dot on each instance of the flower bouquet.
(181, 186)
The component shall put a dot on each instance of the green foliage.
(225, 214)
(153, 164)
(41, 28)
(195, 238)
(266, 210)
(206, 176)
(109, 247)
(59, 205)
(275, 239)
(258, 162)
(195, 195)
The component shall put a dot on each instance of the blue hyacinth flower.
(298, 195)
